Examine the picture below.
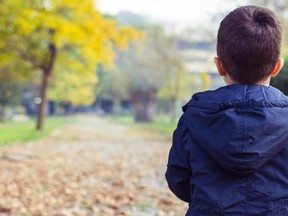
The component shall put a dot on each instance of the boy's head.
(249, 44)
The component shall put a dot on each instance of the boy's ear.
(278, 67)
(219, 65)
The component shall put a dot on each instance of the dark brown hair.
(249, 43)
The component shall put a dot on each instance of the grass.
(21, 132)
(163, 127)
(161, 124)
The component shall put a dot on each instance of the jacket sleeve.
(178, 169)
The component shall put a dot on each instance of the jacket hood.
(241, 127)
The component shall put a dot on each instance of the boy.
(230, 150)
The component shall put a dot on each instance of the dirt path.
(92, 167)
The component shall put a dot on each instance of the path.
(92, 168)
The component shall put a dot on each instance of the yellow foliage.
(82, 36)
(77, 89)
(206, 81)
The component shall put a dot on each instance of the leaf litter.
(105, 170)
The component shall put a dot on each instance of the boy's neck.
(265, 82)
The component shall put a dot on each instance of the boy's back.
(230, 149)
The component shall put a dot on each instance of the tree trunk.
(144, 104)
(47, 71)
(42, 106)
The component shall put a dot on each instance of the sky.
(178, 11)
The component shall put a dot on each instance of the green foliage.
(281, 80)
(178, 82)
(153, 67)
(143, 64)
(155, 63)
(10, 93)
(112, 84)
(20, 132)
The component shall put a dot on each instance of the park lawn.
(21, 132)
(162, 125)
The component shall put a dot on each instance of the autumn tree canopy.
(61, 37)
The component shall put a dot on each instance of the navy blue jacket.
(230, 153)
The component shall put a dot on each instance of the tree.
(177, 79)
(49, 32)
(141, 64)
(152, 66)
(113, 85)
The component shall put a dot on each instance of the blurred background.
(87, 71)
(137, 60)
